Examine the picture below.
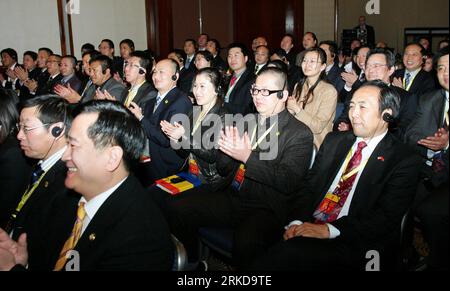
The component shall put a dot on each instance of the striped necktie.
(73, 239)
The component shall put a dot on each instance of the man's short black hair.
(443, 52)
(116, 126)
(11, 52)
(87, 47)
(388, 97)
(105, 62)
(31, 54)
(389, 55)
(47, 50)
(241, 46)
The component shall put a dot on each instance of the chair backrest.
(180, 256)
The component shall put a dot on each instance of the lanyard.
(355, 170)
(27, 196)
(132, 93)
(199, 121)
(262, 137)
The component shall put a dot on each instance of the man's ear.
(115, 155)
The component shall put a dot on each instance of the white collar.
(373, 142)
(52, 160)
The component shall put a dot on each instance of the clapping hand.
(235, 146)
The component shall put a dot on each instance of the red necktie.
(332, 204)
(233, 80)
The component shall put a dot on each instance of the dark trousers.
(255, 228)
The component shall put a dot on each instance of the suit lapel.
(166, 102)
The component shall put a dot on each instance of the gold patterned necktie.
(73, 239)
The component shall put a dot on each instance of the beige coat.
(320, 111)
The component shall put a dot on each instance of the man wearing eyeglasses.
(274, 156)
(380, 65)
(55, 78)
(42, 127)
(141, 91)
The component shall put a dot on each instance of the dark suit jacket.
(24, 91)
(32, 218)
(270, 184)
(14, 176)
(186, 78)
(164, 160)
(334, 77)
(219, 64)
(383, 194)
(422, 83)
(428, 119)
(370, 35)
(145, 93)
(240, 99)
(74, 83)
(114, 88)
(49, 86)
(130, 234)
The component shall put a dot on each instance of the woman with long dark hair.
(14, 170)
(314, 99)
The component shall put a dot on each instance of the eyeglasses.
(375, 66)
(27, 129)
(264, 92)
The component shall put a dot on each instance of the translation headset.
(388, 117)
(57, 130)
(280, 94)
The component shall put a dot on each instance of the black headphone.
(280, 94)
(174, 77)
(388, 117)
(142, 71)
(56, 131)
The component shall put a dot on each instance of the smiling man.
(115, 225)
(353, 200)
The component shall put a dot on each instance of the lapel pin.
(46, 184)
(278, 133)
(166, 102)
(92, 237)
(381, 158)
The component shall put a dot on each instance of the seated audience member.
(117, 226)
(137, 67)
(42, 134)
(332, 70)
(261, 58)
(9, 61)
(354, 198)
(238, 98)
(202, 41)
(185, 75)
(428, 134)
(213, 47)
(314, 100)
(258, 41)
(126, 49)
(88, 89)
(380, 65)
(32, 85)
(288, 44)
(106, 48)
(67, 68)
(413, 78)
(199, 142)
(425, 43)
(354, 79)
(190, 48)
(14, 170)
(203, 59)
(309, 41)
(272, 165)
(29, 72)
(54, 77)
(108, 88)
(170, 101)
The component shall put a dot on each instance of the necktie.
(158, 101)
(233, 80)
(256, 69)
(331, 205)
(73, 239)
(35, 175)
(188, 63)
(131, 94)
(362, 78)
(407, 80)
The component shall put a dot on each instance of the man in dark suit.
(238, 98)
(275, 153)
(32, 85)
(117, 226)
(353, 199)
(67, 68)
(54, 78)
(380, 65)
(9, 61)
(366, 33)
(428, 134)
(43, 121)
(170, 101)
(333, 71)
(262, 55)
(413, 78)
(136, 69)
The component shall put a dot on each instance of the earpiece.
(56, 131)
(142, 71)
(388, 117)
(280, 94)
(174, 77)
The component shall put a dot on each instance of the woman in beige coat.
(314, 100)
